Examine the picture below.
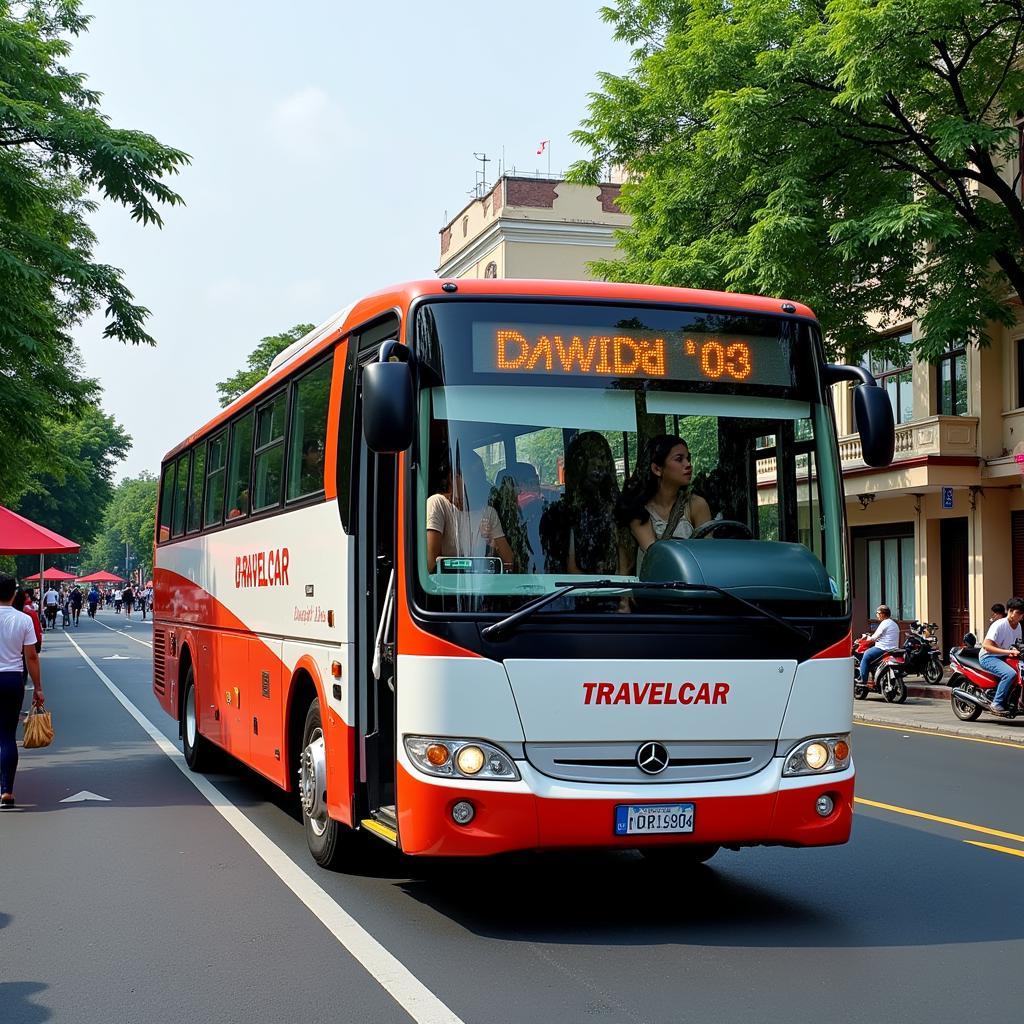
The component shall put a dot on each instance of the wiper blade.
(499, 629)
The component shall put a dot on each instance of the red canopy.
(20, 536)
(101, 577)
(54, 575)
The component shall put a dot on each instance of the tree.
(129, 519)
(73, 498)
(57, 152)
(258, 363)
(847, 153)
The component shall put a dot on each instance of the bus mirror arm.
(872, 413)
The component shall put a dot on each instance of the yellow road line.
(938, 818)
(935, 732)
(998, 849)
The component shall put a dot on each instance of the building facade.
(939, 535)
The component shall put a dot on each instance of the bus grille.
(159, 651)
(689, 761)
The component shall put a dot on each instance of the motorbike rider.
(998, 646)
(885, 638)
(998, 612)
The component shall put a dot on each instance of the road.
(152, 905)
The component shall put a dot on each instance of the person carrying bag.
(38, 728)
(17, 642)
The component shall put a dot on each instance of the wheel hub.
(313, 779)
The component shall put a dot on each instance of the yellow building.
(939, 535)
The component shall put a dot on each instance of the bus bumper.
(540, 813)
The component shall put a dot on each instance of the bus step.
(381, 829)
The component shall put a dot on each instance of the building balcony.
(934, 435)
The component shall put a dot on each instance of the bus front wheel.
(323, 833)
(198, 749)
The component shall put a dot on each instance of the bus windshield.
(559, 441)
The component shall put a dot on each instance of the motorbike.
(973, 688)
(917, 657)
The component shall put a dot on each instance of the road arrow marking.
(84, 795)
(116, 657)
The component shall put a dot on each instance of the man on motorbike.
(998, 646)
(884, 639)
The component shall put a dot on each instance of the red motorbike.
(888, 674)
(974, 688)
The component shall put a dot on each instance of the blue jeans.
(1007, 676)
(12, 694)
(867, 661)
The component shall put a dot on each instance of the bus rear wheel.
(324, 835)
(199, 751)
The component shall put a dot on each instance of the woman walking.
(17, 651)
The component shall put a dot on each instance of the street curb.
(955, 728)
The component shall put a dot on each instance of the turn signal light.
(437, 754)
(842, 750)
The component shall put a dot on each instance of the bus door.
(375, 515)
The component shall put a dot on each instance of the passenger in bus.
(657, 502)
(579, 532)
(517, 498)
(460, 523)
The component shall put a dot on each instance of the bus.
(400, 577)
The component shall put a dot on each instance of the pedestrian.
(65, 609)
(17, 651)
(118, 597)
(998, 645)
(128, 599)
(76, 604)
(998, 612)
(147, 597)
(93, 599)
(23, 603)
(51, 602)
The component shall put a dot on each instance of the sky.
(328, 141)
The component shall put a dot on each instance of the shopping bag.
(38, 729)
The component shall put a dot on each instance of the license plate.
(653, 819)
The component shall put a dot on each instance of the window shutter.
(1017, 541)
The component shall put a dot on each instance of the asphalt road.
(150, 906)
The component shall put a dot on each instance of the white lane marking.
(83, 796)
(386, 969)
(145, 643)
(116, 657)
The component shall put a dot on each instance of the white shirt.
(51, 597)
(1002, 634)
(463, 533)
(887, 635)
(16, 633)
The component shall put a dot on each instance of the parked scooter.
(922, 655)
(974, 688)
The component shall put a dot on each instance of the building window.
(891, 575)
(491, 270)
(953, 383)
(893, 374)
(1020, 373)
(465, 226)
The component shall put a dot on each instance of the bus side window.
(238, 467)
(215, 479)
(195, 494)
(180, 496)
(166, 503)
(307, 432)
(268, 467)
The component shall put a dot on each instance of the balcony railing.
(935, 435)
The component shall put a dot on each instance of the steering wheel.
(735, 528)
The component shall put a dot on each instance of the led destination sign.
(567, 349)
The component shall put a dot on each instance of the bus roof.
(400, 296)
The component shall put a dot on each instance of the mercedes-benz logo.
(652, 757)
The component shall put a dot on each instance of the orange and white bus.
(407, 577)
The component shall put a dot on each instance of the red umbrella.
(20, 536)
(101, 577)
(53, 575)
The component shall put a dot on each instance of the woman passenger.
(657, 502)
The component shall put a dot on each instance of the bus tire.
(324, 835)
(199, 751)
(690, 854)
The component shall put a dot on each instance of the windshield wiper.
(500, 629)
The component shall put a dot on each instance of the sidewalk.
(935, 715)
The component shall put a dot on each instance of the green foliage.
(258, 363)
(846, 153)
(58, 151)
(129, 519)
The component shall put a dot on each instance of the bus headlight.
(449, 758)
(819, 756)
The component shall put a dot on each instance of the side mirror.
(389, 421)
(872, 414)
